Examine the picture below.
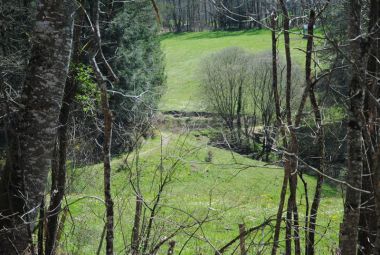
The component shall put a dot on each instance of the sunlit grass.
(184, 53)
(232, 189)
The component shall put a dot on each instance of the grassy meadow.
(184, 53)
(229, 190)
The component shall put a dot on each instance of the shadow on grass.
(212, 34)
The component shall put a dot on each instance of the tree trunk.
(376, 167)
(368, 220)
(34, 128)
(107, 130)
(311, 221)
(291, 163)
(280, 128)
(136, 225)
(238, 112)
(349, 229)
(58, 174)
(242, 231)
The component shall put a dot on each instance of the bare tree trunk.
(349, 228)
(171, 247)
(311, 222)
(368, 220)
(107, 130)
(107, 168)
(136, 225)
(58, 174)
(291, 160)
(238, 112)
(279, 126)
(243, 250)
(34, 128)
(107, 115)
(322, 167)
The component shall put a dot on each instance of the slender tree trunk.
(136, 225)
(243, 250)
(368, 220)
(107, 169)
(107, 130)
(292, 149)
(34, 128)
(238, 112)
(311, 222)
(107, 116)
(280, 127)
(349, 228)
(322, 167)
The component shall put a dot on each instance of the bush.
(237, 86)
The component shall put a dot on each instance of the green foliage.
(137, 60)
(132, 47)
(87, 95)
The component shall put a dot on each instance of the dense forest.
(189, 127)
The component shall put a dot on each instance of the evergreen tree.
(133, 49)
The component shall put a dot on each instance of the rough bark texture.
(368, 219)
(349, 229)
(373, 127)
(243, 250)
(58, 175)
(35, 124)
(136, 225)
(376, 165)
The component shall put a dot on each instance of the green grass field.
(184, 52)
(231, 189)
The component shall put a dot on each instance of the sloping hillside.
(206, 184)
(184, 52)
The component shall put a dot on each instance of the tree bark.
(33, 131)
(280, 127)
(107, 130)
(58, 175)
(136, 225)
(291, 162)
(349, 229)
(311, 221)
(368, 219)
(243, 250)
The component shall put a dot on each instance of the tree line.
(74, 74)
(191, 15)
